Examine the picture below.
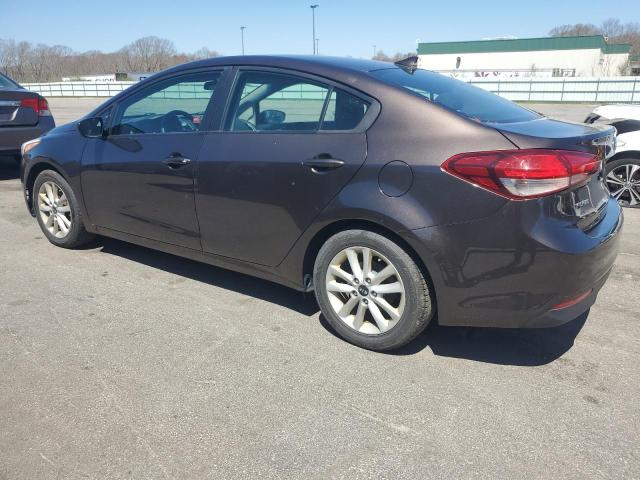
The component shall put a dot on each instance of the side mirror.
(92, 128)
(210, 85)
(271, 117)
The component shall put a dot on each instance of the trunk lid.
(14, 115)
(584, 205)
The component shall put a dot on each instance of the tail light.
(523, 174)
(38, 105)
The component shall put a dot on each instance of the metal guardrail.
(569, 89)
(78, 89)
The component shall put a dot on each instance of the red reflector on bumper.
(571, 302)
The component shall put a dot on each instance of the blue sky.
(344, 27)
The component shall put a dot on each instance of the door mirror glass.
(92, 127)
(271, 117)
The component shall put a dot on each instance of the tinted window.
(176, 105)
(467, 100)
(7, 84)
(344, 111)
(265, 101)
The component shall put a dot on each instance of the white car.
(623, 169)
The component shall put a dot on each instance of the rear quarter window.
(460, 97)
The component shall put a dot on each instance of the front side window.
(176, 105)
(265, 101)
(460, 97)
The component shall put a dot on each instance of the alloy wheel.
(624, 183)
(365, 290)
(54, 209)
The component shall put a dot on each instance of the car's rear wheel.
(58, 211)
(623, 180)
(371, 291)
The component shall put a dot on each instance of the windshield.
(460, 97)
(7, 84)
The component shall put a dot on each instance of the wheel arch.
(316, 242)
(635, 154)
(39, 166)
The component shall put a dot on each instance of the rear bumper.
(12, 138)
(513, 268)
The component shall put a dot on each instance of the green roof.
(524, 45)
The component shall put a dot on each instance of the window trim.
(207, 117)
(367, 120)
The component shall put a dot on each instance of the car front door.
(289, 144)
(140, 178)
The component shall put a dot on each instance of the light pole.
(242, 37)
(374, 51)
(313, 16)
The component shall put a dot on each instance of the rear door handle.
(176, 161)
(322, 164)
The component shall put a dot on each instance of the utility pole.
(313, 16)
(242, 37)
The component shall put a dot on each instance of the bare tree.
(148, 54)
(576, 29)
(203, 53)
(612, 28)
(383, 57)
(25, 62)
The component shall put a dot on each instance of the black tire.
(419, 304)
(77, 235)
(625, 198)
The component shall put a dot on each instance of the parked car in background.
(391, 192)
(623, 169)
(24, 115)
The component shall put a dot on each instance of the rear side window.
(7, 84)
(467, 100)
(344, 111)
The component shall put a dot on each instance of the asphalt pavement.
(117, 361)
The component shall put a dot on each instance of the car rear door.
(270, 171)
(139, 180)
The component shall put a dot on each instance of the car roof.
(341, 69)
(298, 62)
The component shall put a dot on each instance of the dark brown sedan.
(392, 192)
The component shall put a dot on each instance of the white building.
(109, 77)
(578, 56)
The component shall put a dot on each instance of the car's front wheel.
(58, 212)
(371, 291)
(623, 180)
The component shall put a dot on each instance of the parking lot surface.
(120, 362)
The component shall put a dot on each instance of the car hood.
(64, 129)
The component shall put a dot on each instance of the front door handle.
(176, 160)
(322, 163)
